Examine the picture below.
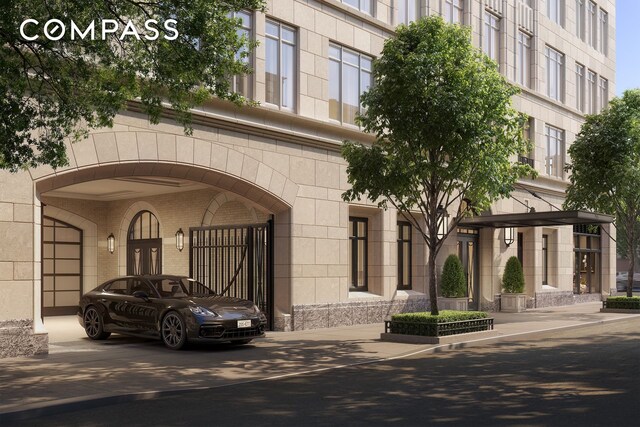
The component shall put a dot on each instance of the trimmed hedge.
(444, 316)
(453, 283)
(513, 279)
(629, 303)
(448, 322)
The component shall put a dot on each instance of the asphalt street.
(583, 377)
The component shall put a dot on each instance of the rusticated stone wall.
(17, 339)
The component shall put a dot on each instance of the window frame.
(580, 19)
(361, 70)
(555, 11)
(592, 92)
(250, 59)
(354, 238)
(294, 44)
(603, 29)
(592, 24)
(402, 243)
(360, 8)
(545, 260)
(603, 92)
(555, 57)
(523, 59)
(404, 9)
(491, 40)
(453, 11)
(580, 86)
(556, 136)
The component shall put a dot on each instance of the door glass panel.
(470, 268)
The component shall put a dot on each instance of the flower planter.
(513, 303)
(458, 304)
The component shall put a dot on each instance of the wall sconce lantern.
(180, 240)
(111, 243)
(443, 222)
(509, 236)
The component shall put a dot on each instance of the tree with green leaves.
(446, 133)
(61, 78)
(605, 169)
(454, 281)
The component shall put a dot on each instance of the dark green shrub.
(513, 279)
(453, 282)
(425, 324)
(628, 303)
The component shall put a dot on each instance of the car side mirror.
(141, 294)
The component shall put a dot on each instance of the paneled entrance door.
(144, 245)
(468, 254)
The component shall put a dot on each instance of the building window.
(580, 87)
(592, 26)
(604, 93)
(408, 11)
(358, 254)
(491, 45)
(349, 78)
(521, 248)
(454, 11)
(365, 6)
(580, 10)
(523, 59)
(592, 93)
(604, 31)
(555, 150)
(555, 74)
(528, 134)
(555, 11)
(587, 252)
(280, 65)
(404, 255)
(242, 84)
(545, 259)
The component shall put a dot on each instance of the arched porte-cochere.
(144, 245)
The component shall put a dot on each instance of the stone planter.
(513, 303)
(459, 304)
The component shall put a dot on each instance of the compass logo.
(55, 29)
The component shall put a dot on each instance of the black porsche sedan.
(175, 309)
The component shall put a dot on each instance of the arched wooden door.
(144, 245)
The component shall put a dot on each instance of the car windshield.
(180, 287)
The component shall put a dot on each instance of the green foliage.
(605, 168)
(513, 279)
(629, 303)
(445, 131)
(58, 89)
(453, 281)
(443, 317)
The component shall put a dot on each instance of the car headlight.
(202, 311)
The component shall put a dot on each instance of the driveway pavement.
(80, 373)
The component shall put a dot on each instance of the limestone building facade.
(274, 173)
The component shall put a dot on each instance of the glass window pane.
(362, 229)
(334, 52)
(350, 93)
(288, 76)
(272, 89)
(288, 35)
(272, 29)
(334, 90)
(361, 262)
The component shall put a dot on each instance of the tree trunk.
(631, 242)
(433, 286)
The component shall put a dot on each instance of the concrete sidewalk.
(79, 372)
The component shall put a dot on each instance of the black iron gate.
(236, 261)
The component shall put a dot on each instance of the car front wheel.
(93, 325)
(174, 331)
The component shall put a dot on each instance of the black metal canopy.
(537, 219)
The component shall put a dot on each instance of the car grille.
(220, 332)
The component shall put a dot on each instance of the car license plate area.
(244, 323)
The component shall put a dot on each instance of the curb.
(38, 410)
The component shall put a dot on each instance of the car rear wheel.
(93, 325)
(174, 332)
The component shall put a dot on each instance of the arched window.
(144, 245)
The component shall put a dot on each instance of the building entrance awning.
(537, 219)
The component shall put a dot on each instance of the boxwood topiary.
(453, 281)
(513, 279)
